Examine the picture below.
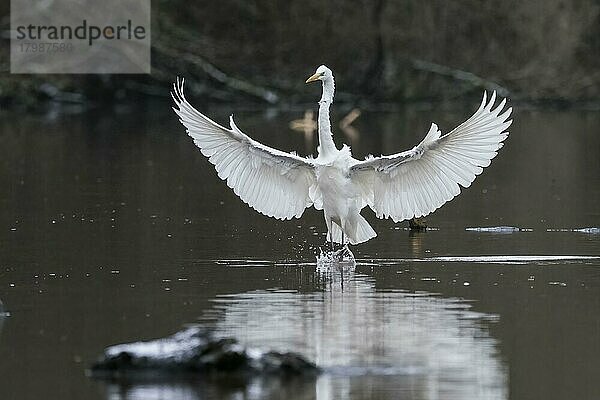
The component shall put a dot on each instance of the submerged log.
(195, 350)
(417, 224)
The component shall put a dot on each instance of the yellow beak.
(313, 78)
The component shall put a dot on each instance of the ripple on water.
(498, 229)
(499, 259)
(3, 313)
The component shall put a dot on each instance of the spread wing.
(273, 182)
(418, 181)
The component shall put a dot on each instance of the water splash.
(337, 259)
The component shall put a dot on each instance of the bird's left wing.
(273, 182)
(418, 181)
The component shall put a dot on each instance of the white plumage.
(399, 186)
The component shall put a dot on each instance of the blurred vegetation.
(380, 51)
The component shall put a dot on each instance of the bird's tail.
(356, 231)
(335, 233)
(362, 231)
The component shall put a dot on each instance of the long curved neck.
(326, 144)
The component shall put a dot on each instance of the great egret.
(400, 186)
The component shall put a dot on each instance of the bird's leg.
(331, 235)
(330, 228)
(341, 255)
(329, 224)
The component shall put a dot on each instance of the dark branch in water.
(221, 77)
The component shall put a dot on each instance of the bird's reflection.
(370, 343)
(346, 124)
(308, 125)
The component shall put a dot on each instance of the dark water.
(114, 228)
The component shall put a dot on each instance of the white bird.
(399, 186)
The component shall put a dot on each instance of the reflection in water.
(370, 343)
(308, 125)
(416, 242)
(226, 389)
(432, 346)
(3, 315)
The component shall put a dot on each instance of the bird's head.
(321, 74)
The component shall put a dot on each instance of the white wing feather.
(418, 181)
(273, 182)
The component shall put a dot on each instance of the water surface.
(114, 228)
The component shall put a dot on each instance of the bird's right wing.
(418, 181)
(273, 182)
